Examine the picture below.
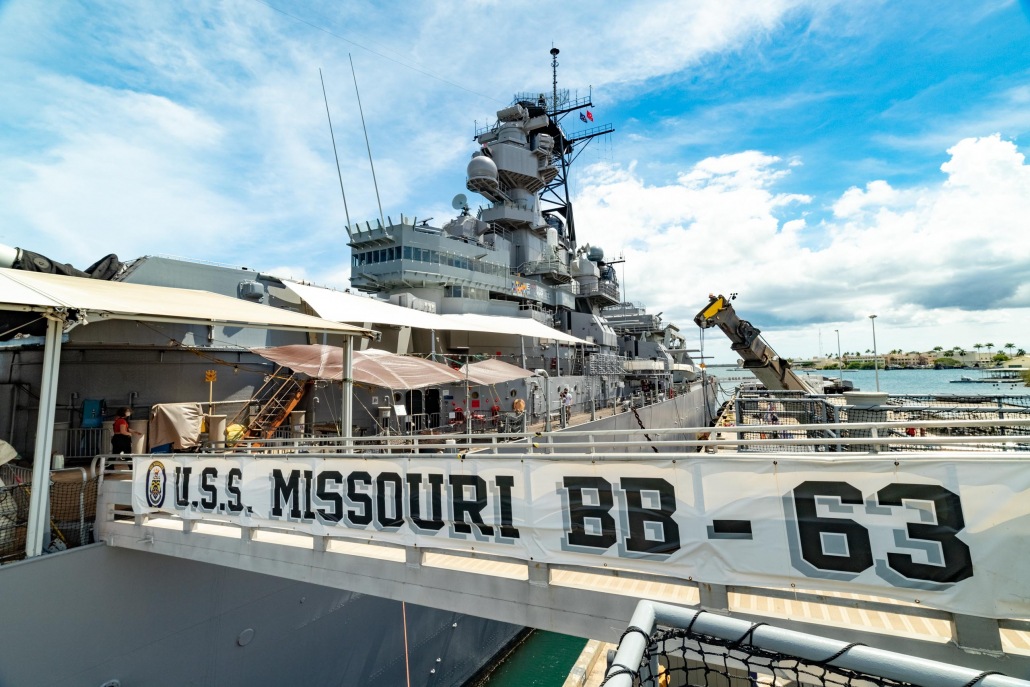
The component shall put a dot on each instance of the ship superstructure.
(518, 256)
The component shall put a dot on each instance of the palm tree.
(989, 347)
(1021, 352)
(938, 348)
(1009, 347)
(978, 347)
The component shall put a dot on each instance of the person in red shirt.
(121, 440)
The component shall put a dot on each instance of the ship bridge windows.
(466, 292)
(433, 257)
(416, 254)
(374, 257)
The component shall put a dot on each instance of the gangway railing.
(689, 647)
(875, 437)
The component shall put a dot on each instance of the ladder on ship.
(277, 398)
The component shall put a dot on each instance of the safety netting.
(682, 658)
(14, 506)
(72, 513)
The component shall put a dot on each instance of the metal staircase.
(278, 397)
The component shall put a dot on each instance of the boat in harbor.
(995, 376)
(201, 346)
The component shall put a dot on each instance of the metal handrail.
(823, 427)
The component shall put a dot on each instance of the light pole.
(840, 361)
(876, 367)
(547, 397)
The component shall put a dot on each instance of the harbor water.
(543, 660)
(915, 382)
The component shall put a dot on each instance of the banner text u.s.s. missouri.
(948, 533)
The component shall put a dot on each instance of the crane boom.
(758, 356)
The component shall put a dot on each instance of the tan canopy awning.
(372, 367)
(493, 371)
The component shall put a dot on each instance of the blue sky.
(826, 160)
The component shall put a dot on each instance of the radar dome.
(482, 167)
(596, 254)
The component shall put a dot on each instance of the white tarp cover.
(372, 367)
(20, 290)
(945, 532)
(177, 424)
(348, 307)
(493, 371)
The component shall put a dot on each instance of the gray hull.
(94, 614)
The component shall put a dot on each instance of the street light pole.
(876, 366)
(840, 361)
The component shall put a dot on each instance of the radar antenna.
(460, 202)
(554, 77)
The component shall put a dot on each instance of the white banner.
(949, 535)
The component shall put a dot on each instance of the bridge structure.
(911, 542)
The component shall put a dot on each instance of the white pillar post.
(347, 392)
(40, 489)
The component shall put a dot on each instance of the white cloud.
(876, 194)
(938, 257)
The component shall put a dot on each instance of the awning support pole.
(347, 392)
(40, 488)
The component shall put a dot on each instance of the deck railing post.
(978, 634)
(714, 597)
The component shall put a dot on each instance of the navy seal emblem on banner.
(156, 481)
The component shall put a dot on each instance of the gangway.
(911, 550)
(278, 397)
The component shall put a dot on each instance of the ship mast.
(557, 191)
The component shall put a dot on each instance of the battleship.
(508, 282)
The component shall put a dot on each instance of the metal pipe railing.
(601, 439)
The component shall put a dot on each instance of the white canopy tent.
(519, 326)
(348, 307)
(96, 299)
(68, 302)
